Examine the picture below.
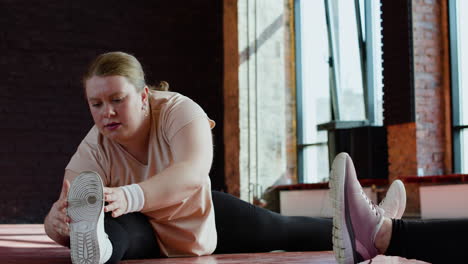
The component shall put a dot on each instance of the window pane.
(464, 156)
(350, 88)
(463, 63)
(376, 61)
(315, 76)
(315, 101)
(316, 163)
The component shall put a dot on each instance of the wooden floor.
(22, 244)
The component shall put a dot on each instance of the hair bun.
(163, 86)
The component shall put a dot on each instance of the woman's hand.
(57, 217)
(117, 201)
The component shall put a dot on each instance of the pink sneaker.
(394, 203)
(356, 219)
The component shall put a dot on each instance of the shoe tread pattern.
(341, 242)
(85, 203)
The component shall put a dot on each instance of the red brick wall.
(402, 149)
(423, 143)
(402, 153)
(429, 36)
(47, 45)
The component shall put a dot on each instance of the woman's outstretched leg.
(132, 237)
(361, 231)
(434, 241)
(243, 227)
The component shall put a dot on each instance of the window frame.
(457, 126)
(301, 144)
(367, 60)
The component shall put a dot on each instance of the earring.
(145, 109)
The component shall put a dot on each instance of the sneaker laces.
(383, 200)
(372, 206)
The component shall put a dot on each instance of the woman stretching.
(152, 150)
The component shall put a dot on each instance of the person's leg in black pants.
(243, 227)
(434, 241)
(132, 237)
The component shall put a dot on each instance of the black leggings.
(241, 227)
(434, 241)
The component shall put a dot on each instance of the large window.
(265, 106)
(459, 59)
(339, 74)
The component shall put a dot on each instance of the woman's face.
(116, 106)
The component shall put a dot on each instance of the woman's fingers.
(116, 208)
(60, 217)
(108, 190)
(110, 198)
(117, 201)
(112, 206)
(62, 229)
(109, 207)
(60, 223)
(118, 212)
(110, 195)
(65, 189)
(62, 204)
(63, 217)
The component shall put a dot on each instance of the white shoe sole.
(342, 246)
(85, 205)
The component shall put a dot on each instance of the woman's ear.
(144, 94)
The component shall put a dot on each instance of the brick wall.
(47, 45)
(419, 143)
(402, 156)
(430, 61)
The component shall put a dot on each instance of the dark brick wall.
(45, 47)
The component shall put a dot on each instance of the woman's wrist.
(135, 198)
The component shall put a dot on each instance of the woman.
(362, 231)
(152, 149)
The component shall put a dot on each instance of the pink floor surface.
(21, 244)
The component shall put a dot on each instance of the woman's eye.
(96, 104)
(117, 100)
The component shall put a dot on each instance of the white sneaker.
(88, 240)
(394, 203)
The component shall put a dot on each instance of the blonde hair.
(121, 64)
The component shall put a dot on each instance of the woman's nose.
(109, 111)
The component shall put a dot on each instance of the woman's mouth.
(112, 126)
